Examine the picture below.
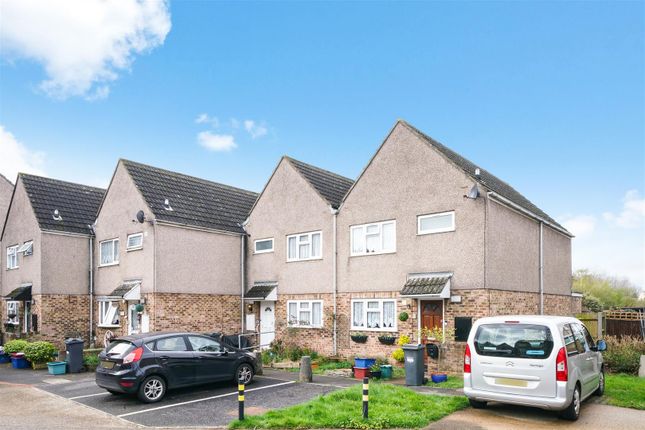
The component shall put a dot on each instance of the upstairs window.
(374, 238)
(263, 245)
(305, 246)
(12, 257)
(109, 252)
(135, 241)
(436, 223)
(26, 248)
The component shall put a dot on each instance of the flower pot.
(386, 371)
(361, 372)
(359, 338)
(57, 367)
(375, 374)
(4, 358)
(438, 378)
(364, 362)
(19, 361)
(387, 340)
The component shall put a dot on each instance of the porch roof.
(20, 294)
(125, 288)
(260, 290)
(427, 286)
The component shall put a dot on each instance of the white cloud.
(204, 118)
(580, 225)
(17, 158)
(633, 213)
(254, 129)
(216, 142)
(83, 45)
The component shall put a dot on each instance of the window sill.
(373, 253)
(109, 265)
(305, 259)
(263, 252)
(12, 268)
(139, 248)
(108, 326)
(316, 327)
(435, 232)
(386, 330)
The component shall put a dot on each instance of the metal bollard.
(366, 389)
(240, 399)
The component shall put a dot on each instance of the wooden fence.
(614, 323)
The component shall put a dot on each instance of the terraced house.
(169, 253)
(46, 240)
(422, 232)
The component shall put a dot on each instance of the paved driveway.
(506, 417)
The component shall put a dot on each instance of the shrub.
(40, 352)
(17, 345)
(398, 355)
(623, 354)
(91, 360)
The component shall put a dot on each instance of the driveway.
(505, 417)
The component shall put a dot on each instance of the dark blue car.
(149, 364)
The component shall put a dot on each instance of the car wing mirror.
(602, 345)
(224, 351)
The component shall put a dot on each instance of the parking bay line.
(202, 400)
(89, 395)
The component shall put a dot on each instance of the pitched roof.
(331, 186)
(485, 178)
(194, 201)
(77, 204)
(424, 286)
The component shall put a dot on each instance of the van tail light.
(561, 368)
(467, 359)
(134, 356)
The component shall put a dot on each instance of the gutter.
(334, 213)
(503, 200)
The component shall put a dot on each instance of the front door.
(134, 323)
(431, 314)
(267, 323)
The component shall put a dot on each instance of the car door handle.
(164, 357)
(590, 358)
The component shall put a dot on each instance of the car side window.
(204, 344)
(175, 343)
(581, 343)
(590, 341)
(569, 340)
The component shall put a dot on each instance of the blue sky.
(549, 96)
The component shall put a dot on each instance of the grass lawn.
(323, 367)
(390, 406)
(623, 390)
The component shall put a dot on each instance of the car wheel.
(477, 404)
(152, 389)
(572, 412)
(244, 373)
(601, 384)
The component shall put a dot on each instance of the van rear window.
(514, 340)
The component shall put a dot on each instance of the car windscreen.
(118, 348)
(514, 340)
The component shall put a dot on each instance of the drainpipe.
(154, 275)
(91, 261)
(242, 278)
(334, 213)
(541, 268)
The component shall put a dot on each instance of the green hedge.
(623, 354)
(40, 352)
(16, 345)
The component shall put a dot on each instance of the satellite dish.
(57, 216)
(166, 205)
(141, 217)
(473, 193)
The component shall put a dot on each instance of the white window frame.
(134, 248)
(264, 251)
(364, 227)
(380, 310)
(115, 261)
(299, 308)
(436, 230)
(12, 252)
(12, 304)
(310, 242)
(105, 313)
(27, 248)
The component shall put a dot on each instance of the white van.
(548, 362)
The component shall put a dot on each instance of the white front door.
(134, 325)
(267, 323)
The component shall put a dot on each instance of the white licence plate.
(107, 364)
(511, 382)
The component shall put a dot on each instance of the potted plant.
(375, 371)
(387, 339)
(39, 353)
(403, 316)
(358, 337)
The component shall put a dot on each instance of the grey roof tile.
(331, 186)
(260, 290)
(194, 201)
(485, 178)
(77, 204)
(423, 286)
